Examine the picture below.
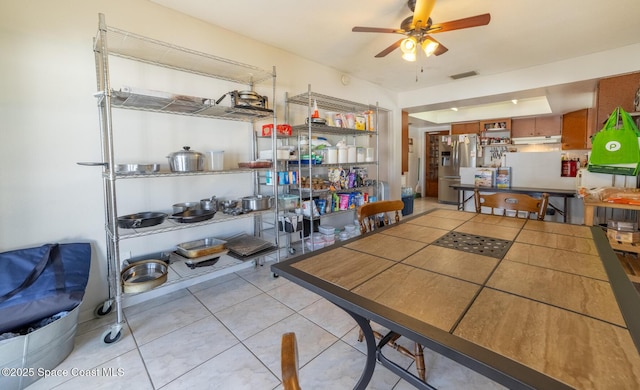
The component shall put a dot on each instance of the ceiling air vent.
(463, 75)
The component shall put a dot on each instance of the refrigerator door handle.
(456, 156)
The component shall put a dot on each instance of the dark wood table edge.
(626, 294)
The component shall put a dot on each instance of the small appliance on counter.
(246, 99)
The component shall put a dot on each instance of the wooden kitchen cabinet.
(548, 125)
(613, 92)
(575, 127)
(432, 161)
(540, 126)
(465, 128)
(523, 127)
(502, 124)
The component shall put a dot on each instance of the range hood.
(550, 139)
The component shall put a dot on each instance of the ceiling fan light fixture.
(411, 57)
(429, 46)
(408, 47)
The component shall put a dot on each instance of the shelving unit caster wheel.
(292, 250)
(103, 309)
(113, 335)
(275, 275)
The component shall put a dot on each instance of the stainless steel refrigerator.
(456, 151)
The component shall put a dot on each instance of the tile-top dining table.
(529, 304)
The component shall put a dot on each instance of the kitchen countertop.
(552, 312)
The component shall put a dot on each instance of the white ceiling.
(522, 34)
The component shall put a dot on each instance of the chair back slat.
(367, 214)
(512, 202)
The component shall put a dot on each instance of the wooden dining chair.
(368, 219)
(368, 214)
(519, 203)
(289, 362)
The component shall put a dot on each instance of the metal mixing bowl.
(143, 275)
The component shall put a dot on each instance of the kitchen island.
(529, 304)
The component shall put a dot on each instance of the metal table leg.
(370, 339)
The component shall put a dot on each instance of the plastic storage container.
(352, 154)
(329, 239)
(215, 160)
(288, 202)
(331, 153)
(343, 155)
(316, 243)
(326, 229)
(351, 230)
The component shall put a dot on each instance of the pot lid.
(187, 152)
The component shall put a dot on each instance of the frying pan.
(193, 215)
(141, 220)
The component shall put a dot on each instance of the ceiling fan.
(418, 28)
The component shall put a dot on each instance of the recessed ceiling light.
(454, 108)
(514, 101)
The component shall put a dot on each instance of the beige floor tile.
(124, 372)
(311, 338)
(161, 320)
(236, 368)
(329, 316)
(253, 315)
(225, 295)
(294, 296)
(339, 367)
(185, 349)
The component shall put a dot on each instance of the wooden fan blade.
(377, 30)
(441, 49)
(389, 49)
(473, 21)
(422, 12)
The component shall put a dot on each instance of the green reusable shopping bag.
(615, 148)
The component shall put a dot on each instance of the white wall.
(50, 119)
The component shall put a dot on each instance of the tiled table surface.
(546, 304)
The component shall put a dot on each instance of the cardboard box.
(503, 177)
(623, 236)
(484, 178)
